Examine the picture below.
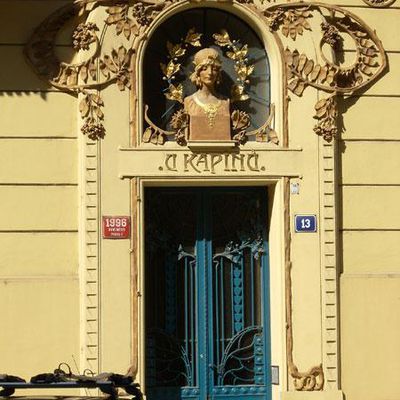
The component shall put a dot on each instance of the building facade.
(248, 254)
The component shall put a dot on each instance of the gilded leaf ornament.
(172, 67)
(193, 38)
(240, 123)
(238, 54)
(180, 122)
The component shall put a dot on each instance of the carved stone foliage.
(379, 3)
(326, 114)
(322, 72)
(131, 19)
(292, 24)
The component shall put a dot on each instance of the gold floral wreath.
(172, 67)
(238, 54)
(233, 50)
(179, 121)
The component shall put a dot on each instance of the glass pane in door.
(238, 278)
(170, 218)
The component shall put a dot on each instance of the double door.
(207, 294)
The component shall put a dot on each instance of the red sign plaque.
(116, 227)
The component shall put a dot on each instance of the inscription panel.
(144, 162)
(203, 162)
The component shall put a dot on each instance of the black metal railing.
(107, 383)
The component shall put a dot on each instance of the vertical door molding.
(329, 264)
(90, 240)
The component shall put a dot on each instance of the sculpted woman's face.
(208, 74)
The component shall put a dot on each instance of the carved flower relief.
(128, 19)
(303, 71)
(326, 114)
(90, 109)
(141, 14)
(118, 65)
(292, 22)
(118, 15)
(94, 131)
(84, 35)
(331, 35)
(379, 3)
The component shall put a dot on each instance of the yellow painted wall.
(40, 288)
(370, 226)
(39, 284)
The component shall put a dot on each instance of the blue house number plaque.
(305, 223)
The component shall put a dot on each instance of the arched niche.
(171, 33)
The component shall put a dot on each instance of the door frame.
(276, 258)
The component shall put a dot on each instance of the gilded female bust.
(209, 113)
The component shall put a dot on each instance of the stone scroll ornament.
(131, 20)
(289, 21)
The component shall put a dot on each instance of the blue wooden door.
(207, 294)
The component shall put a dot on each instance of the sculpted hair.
(203, 58)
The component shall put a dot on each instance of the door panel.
(171, 349)
(207, 304)
(239, 274)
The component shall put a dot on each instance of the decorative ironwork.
(107, 383)
(243, 362)
(171, 360)
(234, 252)
(189, 350)
(208, 315)
(240, 355)
(168, 363)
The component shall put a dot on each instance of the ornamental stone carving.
(291, 24)
(131, 20)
